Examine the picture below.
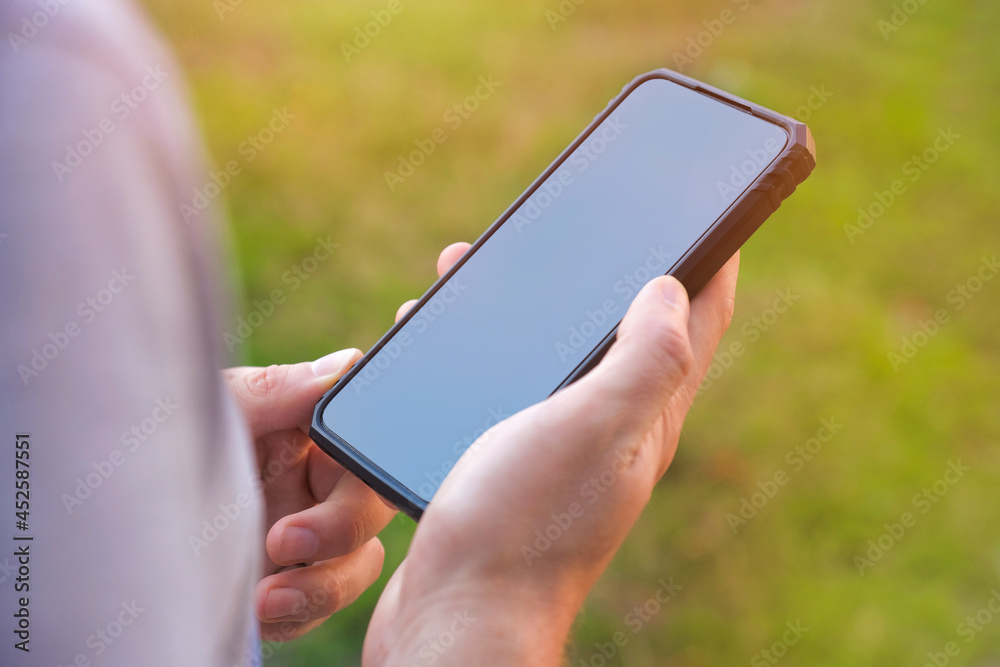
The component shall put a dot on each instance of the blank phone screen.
(553, 280)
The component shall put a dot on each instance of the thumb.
(278, 398)
(650, 358)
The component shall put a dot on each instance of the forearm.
(503, 622)
(495, 632)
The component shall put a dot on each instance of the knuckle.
(674, 346)
(359, 528)
(262, 381)
(335, 592)
(727, 309)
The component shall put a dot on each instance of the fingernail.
(282, 602)
(297, 545)
(673, 291)
(333, 364)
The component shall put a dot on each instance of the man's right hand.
(476, 586)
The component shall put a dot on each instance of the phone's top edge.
(799, 136)
(799, 132)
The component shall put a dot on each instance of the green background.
(856, 296)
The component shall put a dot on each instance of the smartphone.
(671, 178)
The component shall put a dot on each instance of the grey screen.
(553, 280)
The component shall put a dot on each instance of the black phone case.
(694, 269)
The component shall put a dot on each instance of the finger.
(712, 310)
(405, 308)
(450, 255)
(307, 596)
(446, 260)
(295, 474)
(711, 314)
(283, 459)
(648, 362)
(277, 398)
(323, 476)
(350, 517)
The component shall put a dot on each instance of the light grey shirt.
(142, 509)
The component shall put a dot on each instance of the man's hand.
(478, 585)
(317, 514)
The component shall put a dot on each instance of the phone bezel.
(776, 182)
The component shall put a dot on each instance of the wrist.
(495, 622)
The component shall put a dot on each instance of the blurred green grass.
(825, 357)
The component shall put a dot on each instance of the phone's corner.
(810, 143)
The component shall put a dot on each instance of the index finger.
(712, 309)
(711, 314)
